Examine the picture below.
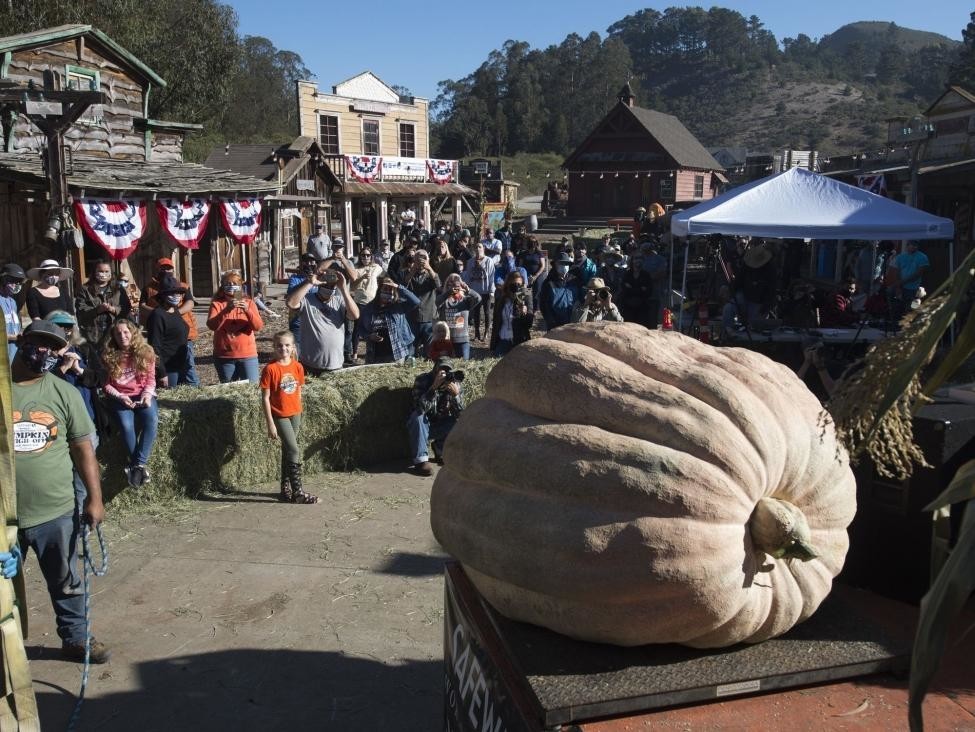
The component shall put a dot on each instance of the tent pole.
(683, 286)
(670, 279)
(873, 266)
(951, 268)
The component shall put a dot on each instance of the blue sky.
(418, 43)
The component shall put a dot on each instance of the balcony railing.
(393, 169)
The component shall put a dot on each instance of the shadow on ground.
(262, 691)
(407, 564)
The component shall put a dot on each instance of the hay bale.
(214, 438)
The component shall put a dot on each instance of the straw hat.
(49, 265)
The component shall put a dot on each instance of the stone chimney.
(626, 95)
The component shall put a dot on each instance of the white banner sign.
(405, 167)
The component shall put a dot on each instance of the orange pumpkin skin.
(624, 486)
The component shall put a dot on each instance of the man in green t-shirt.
(52, 432)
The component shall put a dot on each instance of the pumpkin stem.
(779, 529)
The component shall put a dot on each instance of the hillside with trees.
(724, 75)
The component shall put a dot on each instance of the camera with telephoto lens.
(452, 376)
(603, 293)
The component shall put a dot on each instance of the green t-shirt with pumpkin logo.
(48, 414)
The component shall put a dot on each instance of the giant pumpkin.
(630, 486)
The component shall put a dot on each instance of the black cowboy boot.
(285, 483)
(297, 494)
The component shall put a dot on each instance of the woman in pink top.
(130, 365)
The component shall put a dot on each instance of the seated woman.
(839, 312)
(234, 320)
(130, 383)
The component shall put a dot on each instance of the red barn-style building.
(635, 157)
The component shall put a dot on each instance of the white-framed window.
(407, 140)
(328, 133)
(370, 136)
(698, 186)
(81, 79)
(481, 167)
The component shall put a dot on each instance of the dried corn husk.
(18, 707)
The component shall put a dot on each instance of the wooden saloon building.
(302, 197)
(112, 150)
(635, 157)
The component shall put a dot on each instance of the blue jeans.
(190, 377)
(463, 350)
(237, 369)
(138, 429)
(55, 543)
(421, 432)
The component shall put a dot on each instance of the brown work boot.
(424, 468)
(98, 652)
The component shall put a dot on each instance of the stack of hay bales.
(214, 438)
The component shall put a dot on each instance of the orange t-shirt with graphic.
(284, 384)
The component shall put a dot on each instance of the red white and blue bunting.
(242, 219)
(184, 221)
(441, 171)
(364, 168)
(873, 183)
(116, 225)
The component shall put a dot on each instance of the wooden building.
(364, 122)
(936, 153)
(301, 199)
(635, 157)
(484, 174)
(114, 150)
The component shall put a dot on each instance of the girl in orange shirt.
(281, 382)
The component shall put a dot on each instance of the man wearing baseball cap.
(150, 301)
(11, 283)
(51, 435)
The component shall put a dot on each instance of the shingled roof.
(259, 160)
(133, 176)
(676, 139)
(253, 160)
(670, 133)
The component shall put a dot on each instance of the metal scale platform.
(529, 678)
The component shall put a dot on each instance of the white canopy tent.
(800, 204)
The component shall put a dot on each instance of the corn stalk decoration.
(18, 707)
(873, 409)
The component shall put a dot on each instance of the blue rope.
(88, 566)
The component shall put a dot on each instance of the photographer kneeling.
(437, 405)
(598, 304)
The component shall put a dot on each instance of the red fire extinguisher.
(668, 321)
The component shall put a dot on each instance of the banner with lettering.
(476, 696)
(184, 221)
(116, 225)
(441, 171)
(364, 168)
(242, 219)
